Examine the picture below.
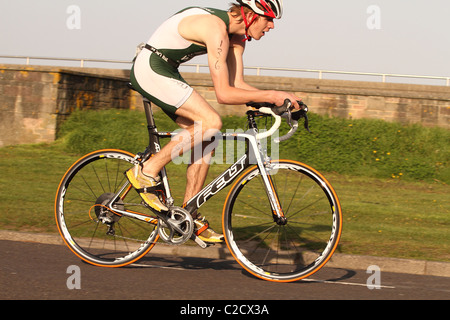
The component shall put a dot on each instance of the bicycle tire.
(282, 253)
(94, 234)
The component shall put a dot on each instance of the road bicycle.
(281, 219)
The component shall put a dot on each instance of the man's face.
(261, 25)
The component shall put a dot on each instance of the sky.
(381, 36)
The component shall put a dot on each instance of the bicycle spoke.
(306, 207)
(269, 249)
(262, 232)
(243, 202)
(107, 176)
(286, 211)
(98, 179)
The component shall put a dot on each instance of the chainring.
(177, 227)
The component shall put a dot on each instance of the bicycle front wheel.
(93, 232)
(290, 252)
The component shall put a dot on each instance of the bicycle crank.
(176, 227)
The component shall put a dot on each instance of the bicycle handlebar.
(280, 112)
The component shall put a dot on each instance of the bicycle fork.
(264, 165)
(277, 211)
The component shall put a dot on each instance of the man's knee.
(209, 129)
(210, 122)
(215, 123)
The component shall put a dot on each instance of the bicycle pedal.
(199, 242)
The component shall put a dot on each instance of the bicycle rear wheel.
(94, 233)
(283, 253)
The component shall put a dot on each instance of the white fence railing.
(198, 67)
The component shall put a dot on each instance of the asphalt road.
(34, 271)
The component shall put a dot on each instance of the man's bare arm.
(212, 32)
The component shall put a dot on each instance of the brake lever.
(286, 107)
(288, 116)
(307, 123)
(286, 110)
(302, 113)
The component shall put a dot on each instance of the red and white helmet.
(272, 8)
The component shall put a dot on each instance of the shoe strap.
(147, 190)
(205, 227)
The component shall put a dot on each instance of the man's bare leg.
(196, 109)
(196, 174)
(200, 123)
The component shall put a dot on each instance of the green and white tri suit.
(155, 73)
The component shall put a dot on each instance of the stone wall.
(27, 105)
(407, 104)
(35, 100)
(89, 92)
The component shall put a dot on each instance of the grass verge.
(390, 217)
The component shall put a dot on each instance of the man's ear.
(251, 15)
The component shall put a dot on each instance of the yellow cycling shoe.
(205, 233)
(146, 186)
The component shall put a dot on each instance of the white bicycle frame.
(254, 151)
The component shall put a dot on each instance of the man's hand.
(279, 97)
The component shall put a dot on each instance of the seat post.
(149, 112)
(147, 107)
(154, 143)
(151, 127)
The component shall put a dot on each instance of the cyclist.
(222, 35)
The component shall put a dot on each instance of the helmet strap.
(247, 24)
